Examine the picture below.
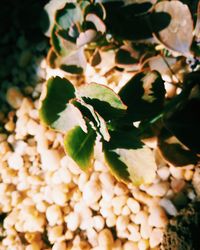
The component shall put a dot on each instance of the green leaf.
(56, 41)
(69, 118)
(144, 95)
(80, 146)
(133, 21)
(98, 122)
(50, 8)
(174, 151)
(86, 37)
(73, 69)
(98, 23)
(52, 58)
(127, 138)
(104, 100)
(124, 57)
(95, 8)
(132, 165)
(58, 93)
(128, 158)
(69, 15)
(74, 62)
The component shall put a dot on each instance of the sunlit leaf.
(58, 92)
(104, 100)
(99, 24)
(161, 64)
(75, 62)
(69, 15)
(132, 165)
(86, 37)
(178, 35)
(144, 95)
(89, 112)
(174, 151)
(69, 118)
(51, 7)
(80, 146)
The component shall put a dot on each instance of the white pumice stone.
(168, 206)
(163, 173)
(98, 222)
(157, 217)
(133, 205)
(54, 215)
(50, 160)
(73, 221)
(15, 161)
(91, 192)
(158, 189)
(155, 237)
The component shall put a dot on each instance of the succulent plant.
(150, 38)
(82, 31)
(93, 111)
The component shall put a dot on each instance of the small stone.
(163, 173)
(98, 222)
(50, 160)
(15, 161)
(14, 97)
(157, 217)
(133, 205)
(168, 206)
(158, 189)
(54, 215)
(177, 185)
(129, 245)
(73, 221)
(156, 237)
(105, 238)
(122, 223)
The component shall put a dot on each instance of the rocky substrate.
(47, 202)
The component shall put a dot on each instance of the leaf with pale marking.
(86, 37)
(80, 146)
(132, 165)
(58, 93)
(98, 23)
(174, 151)
(144, 95)
(103, 99)
(89, 112)
(50, 8)
(69, 15)
(69, 118)
(75, 62)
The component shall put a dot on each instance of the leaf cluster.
(82, 31)
(86, 31)
(94, 112)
